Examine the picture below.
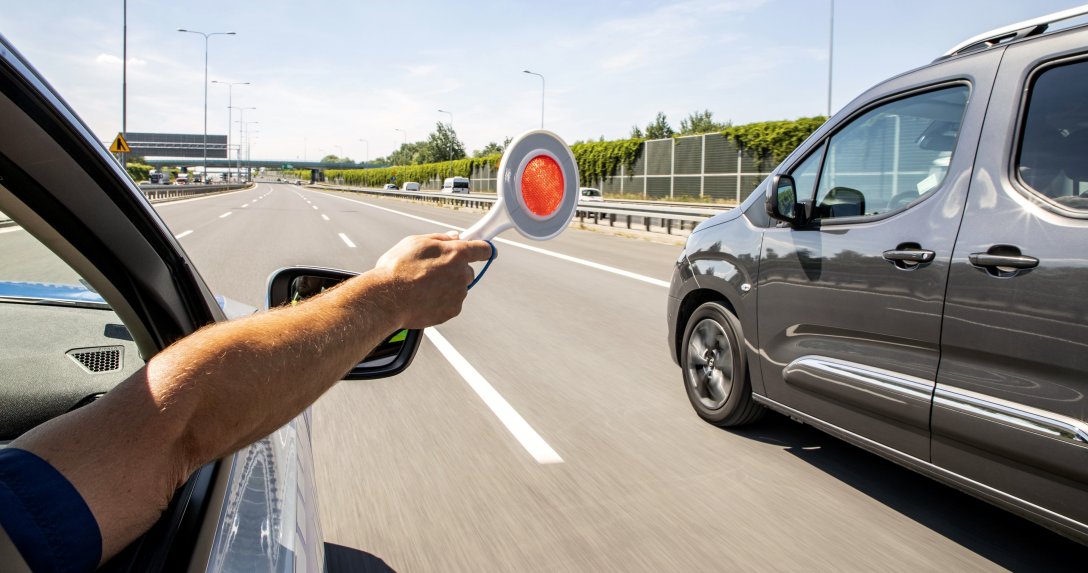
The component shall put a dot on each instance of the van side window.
(891, 155)
(804, 176)
(1053, 157)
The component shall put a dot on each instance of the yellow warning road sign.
(120, 145)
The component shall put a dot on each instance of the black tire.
(716, 369)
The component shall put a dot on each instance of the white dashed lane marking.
(521, 430)
(225, 215)
(183, 234)
(347, 241)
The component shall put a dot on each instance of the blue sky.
(325, 74)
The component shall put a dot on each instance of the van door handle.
(986, 260)
(910, 255)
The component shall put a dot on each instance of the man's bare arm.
(232, 383)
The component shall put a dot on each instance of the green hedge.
(778, 138)
(139, 171)
(597, 160)
(602, 159)
(381, 176)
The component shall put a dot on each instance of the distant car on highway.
(411, 186)
(912, 278)
(390, 187)
(455, 185)
(181, 179)
(590, 194)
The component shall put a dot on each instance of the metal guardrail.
(159, 193)
(671, 217)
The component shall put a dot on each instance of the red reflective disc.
(542, 185)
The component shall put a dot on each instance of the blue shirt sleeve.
(45, 517)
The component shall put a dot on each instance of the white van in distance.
(455, 185)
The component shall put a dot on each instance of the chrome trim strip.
(902, 384)
(1023, 417)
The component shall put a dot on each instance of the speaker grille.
(103, 359)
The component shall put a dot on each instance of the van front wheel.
(715, 368)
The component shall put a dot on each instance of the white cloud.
(111, 60)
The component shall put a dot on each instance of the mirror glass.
(786, 197)
(306, 286)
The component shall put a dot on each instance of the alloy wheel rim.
(710, 363)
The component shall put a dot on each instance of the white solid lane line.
(324, 216)
(11, 229)
(183, 234)
(568, 258)
(522, 431)
(347, 241)
(225, 215)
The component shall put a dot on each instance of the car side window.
(63, 344)
(1053, 157)
(891, 155)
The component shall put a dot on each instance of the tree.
(489, 149)
(701, 122)
(407, 154)
(442, 145)
(335, 159)
(636, 132)
(659, 128)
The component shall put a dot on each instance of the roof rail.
(1016, 31)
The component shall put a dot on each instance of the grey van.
(911, 278)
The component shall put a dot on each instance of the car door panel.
(849, 334)
(1011, 406)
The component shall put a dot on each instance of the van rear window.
(460, 185)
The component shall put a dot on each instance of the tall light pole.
(367, 151)
(241, 124)
(451, 138)
(124, 78)
(249, 170)
(541, 96)
(830, 55)
(404, 133)
(230, 116)
(206, 36)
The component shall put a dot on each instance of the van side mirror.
(782, 203)
(293, 285)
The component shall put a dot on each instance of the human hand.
(431, 274)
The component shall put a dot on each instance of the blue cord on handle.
(494, 251)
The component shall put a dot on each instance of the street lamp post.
(367, 151)
(249, 158)
(405, 134)
(830, 55)
(230, 116)
(241, 124)
(541, 96)
(451, 138)
(206, 36)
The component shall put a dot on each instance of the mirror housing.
(292, 285)
(782, 203)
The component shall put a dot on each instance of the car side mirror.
(782, 203)
(293, 285)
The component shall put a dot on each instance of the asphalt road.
(609, 469)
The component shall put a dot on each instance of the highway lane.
(420, 472)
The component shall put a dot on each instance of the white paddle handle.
(490, 225)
